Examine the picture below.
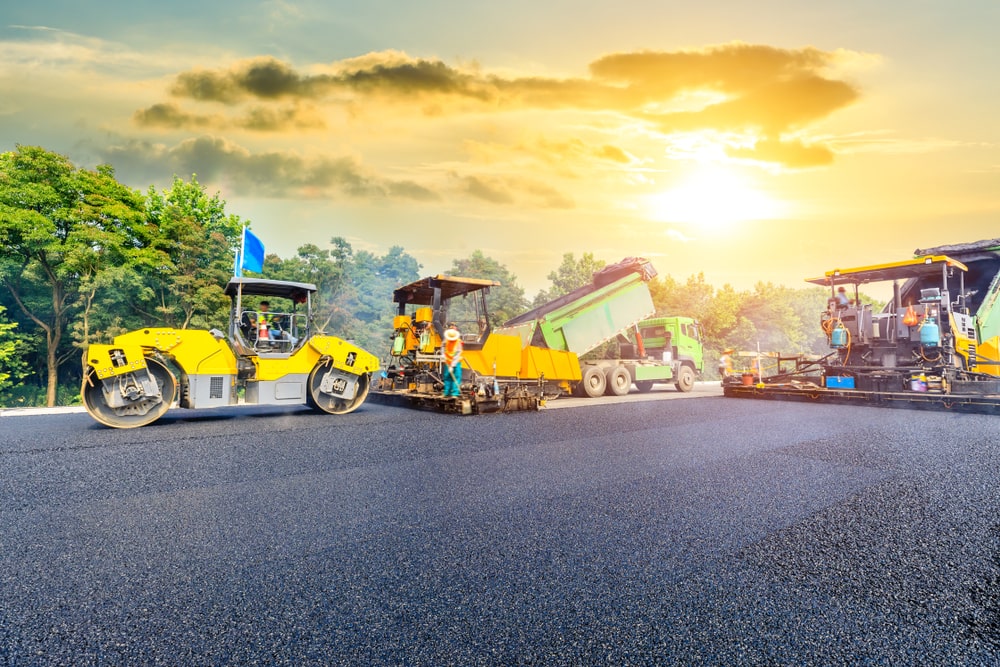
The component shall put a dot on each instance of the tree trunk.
(52, 362)
(53, 336)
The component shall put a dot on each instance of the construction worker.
(726, 363)
(451, 348)
(842, 300)
(264, 321)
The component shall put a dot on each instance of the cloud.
(793, 154)
(566, 157)
(270, 174)
(264, 119)
(167, 115)
(264, 78)
(513, 190)
(170, 116)
(50, 51)
(494, 192)
(760, 92)
(777, 107)
(389, 74)
(731, 68)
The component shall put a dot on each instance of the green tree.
(697, 299)
(368, 296)
(324, 268)
(807, 304)
(570, 275)
(12, 366)
(505, 301)
(196, 241)
(775, 324)
(60, 227)
(354, 289)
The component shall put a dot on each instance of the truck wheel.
(593, 381)
(644, 385)
(330, 403)
(685, 379)
(618, 381)
(138, 412)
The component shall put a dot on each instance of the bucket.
(747, 379)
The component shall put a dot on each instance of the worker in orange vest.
(726, 363)
(452, 351)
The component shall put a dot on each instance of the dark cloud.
(168, 115)
(259, 119)
(271, 174)
(264, 78)
(266, 119)
(410, 78)
(501, 190)
(267, 78)
(546, 196)
(411, 190)
(493, 192)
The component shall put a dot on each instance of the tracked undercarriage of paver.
(935, 345)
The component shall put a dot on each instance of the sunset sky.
(749, 141)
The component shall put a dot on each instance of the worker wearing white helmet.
(451, 348)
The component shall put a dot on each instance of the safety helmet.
(451, 334)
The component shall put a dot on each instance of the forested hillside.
(83, 258)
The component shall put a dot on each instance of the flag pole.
(243, 247)
(239, 274)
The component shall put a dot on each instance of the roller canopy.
(261, 287)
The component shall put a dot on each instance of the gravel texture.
(707, 531)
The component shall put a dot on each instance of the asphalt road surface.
(700, 531)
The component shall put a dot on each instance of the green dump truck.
(615, 307)
(667, 349)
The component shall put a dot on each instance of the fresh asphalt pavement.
(705, 531)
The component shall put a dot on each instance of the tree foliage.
(354, 289)
(192, 258)
(571, 274)
(505, 301)
(769, 317)
(12, 365)
(61, 228)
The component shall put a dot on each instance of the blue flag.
(253, 252)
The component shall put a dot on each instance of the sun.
(713, 197)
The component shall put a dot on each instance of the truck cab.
(673, 338)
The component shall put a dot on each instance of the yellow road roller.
(271, 355)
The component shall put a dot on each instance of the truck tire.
(618, 381)
(644, 385)
(593, 381)
(685, 379)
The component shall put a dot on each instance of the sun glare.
(712, 197)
